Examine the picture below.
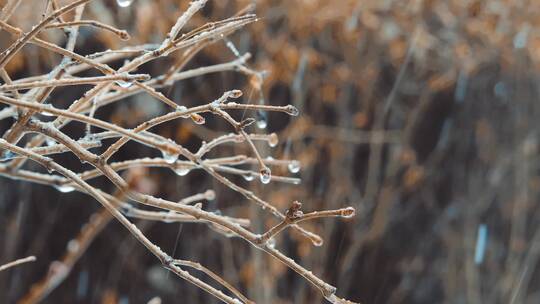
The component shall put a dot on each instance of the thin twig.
(17, 262)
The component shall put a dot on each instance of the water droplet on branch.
(182, 109)
(73, 246)
(198, 119)
(348, 212)
(273, 140)
(292, 110)
(64, 188)
(47, 113)
(294, 166)
(182, 170)
(124, 84)
(210, 195)
(124, 3)
(235, 93)
(168, 217)
(49, 141)
(271, 243)
(7, 155)
(265, 175)
(170, 158)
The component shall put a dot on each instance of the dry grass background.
(421, 114)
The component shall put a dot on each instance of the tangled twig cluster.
(26, 100)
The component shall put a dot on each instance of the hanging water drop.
(262, 119)
(273, 140)
(124, 3)
(124, 84)
(248, 176)
(64, 188)
(265, 175)
(294, 166)
(182, 170)
(210, 195)
(170, 158)
(198, 119)
(318, 242)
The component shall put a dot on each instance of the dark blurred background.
(423, 115)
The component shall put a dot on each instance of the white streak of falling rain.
(481, 241)
(520, 40)
(82, 285)
(461, 87)
(232, 47)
